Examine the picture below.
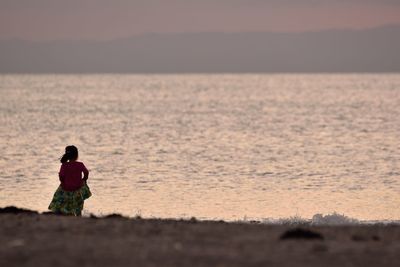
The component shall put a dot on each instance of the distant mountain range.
(371, 50)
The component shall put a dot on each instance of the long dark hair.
(71, 153)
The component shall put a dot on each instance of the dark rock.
(92, 216)
(358, 238)
(15, 210)
(51, 213)
(114, 216)
(300, 233)
(376, 238)
(48, 213)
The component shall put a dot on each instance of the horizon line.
(145, 34)
(203, 73)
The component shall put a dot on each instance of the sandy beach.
(32, 239)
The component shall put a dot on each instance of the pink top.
(71, 175)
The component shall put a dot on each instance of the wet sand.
(31, 239)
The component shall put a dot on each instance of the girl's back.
(71, 175)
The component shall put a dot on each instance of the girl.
(70, 195)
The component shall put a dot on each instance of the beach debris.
(15, 210)
(16, 243)
(320, 248)
(299, 233)
(178, 246)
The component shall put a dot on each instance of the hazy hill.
(373, 50)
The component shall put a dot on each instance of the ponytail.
(64, 158)
(71, 153)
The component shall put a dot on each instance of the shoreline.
(32, 239)
(329, 219)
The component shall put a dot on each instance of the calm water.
(210, 146)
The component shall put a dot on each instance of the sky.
(43, 20)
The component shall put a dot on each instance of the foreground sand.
(29, 239)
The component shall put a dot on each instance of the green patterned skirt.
(69, 202)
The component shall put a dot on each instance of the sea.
(211, 146)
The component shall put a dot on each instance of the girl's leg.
(78, 211)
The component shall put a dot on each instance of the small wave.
(328, 219)
(333, 219)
